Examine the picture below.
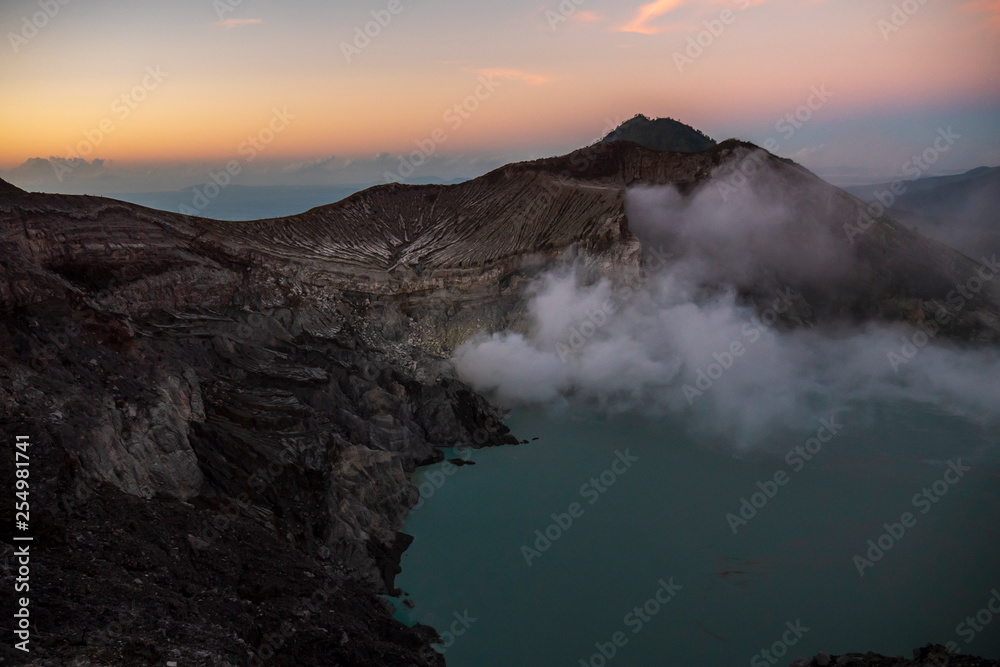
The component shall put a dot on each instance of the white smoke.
(685, 344)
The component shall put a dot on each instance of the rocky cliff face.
(214, 468)
(225, 415)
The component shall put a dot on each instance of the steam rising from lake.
(684, 343)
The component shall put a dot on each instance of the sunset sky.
(162, 93)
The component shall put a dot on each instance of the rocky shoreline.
(238, 490)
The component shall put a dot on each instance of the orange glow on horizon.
(559, 85)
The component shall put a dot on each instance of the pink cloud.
(584, 16)
(517, 75)
(233, 23)
(648, 12)
(991, 7)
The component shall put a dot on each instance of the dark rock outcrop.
(661, 134)
(928, 656)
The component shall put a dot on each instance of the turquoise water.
(661, 530)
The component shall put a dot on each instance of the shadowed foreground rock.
(928, 656)
(213, 489)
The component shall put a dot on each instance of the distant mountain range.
(243, 202)
(962, 210)
(255, 202)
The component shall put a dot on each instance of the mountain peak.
(661, 134)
